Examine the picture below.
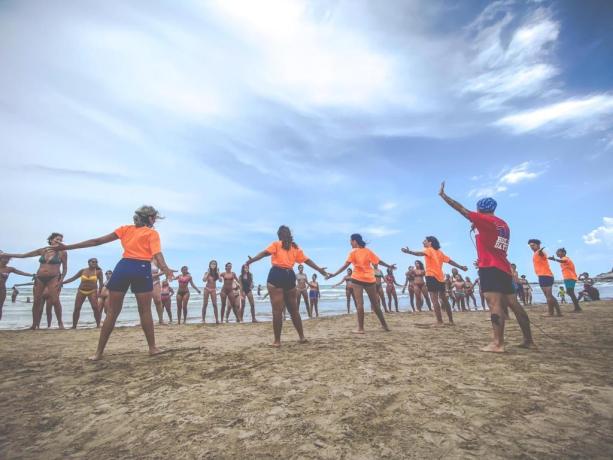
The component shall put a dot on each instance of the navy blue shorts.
(131, 273)
(545, 281)
(434, 285)
(283, 278)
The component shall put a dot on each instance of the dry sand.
(221, 392)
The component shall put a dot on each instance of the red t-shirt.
(493, 236)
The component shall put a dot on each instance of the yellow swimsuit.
(84, 278)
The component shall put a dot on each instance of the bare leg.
(552, 303)
(277, 302)
(179, 307)
(573, 297)
(434, 296)
(424, 291)
(358, 292)
(93, 302)
(143, 301)
(113, 310)
(205, 302)
(76, 313)
(374, 297)
(395, 297)
(412, 296)
(348, 293)
(49, 312)
(419, 301)
(157, 300)
(168, 307)
(522, 319)
(223, 297)
(446, 306)
(37, 302)
(494, 301)
(252, 306)
(291, 302)
(185, 301)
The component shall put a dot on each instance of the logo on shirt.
(502, 242)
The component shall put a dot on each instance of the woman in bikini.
(470, 293)
(103, 297)
(184, 279)
(302, 281)
(409, 283)
(210, 279)
(459, 291)
(348, 289)
(390, 288)
(227, 294)
(157, 289)
(314, 295)
(5, 271)
(166, 293)
(421, 291)
(50, 274)
(379, 283)
(281, 282)
(247, 285)
(89, 288)
(364, 261)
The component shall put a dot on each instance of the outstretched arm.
(88, 243)
(160, 262)
(406, 250)
(19, 272)
(343, 268)
(191, 281)
(259, 256)
(457, 265)
(386, 265)
(314, 266)
(453, 203)
(555, 260)
(25, 255)
(340, 282)
(72, 278)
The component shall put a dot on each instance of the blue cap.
(486, 205)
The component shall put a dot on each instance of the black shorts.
(131, 273)
(492, 279)
(434, 285)
(283, 278)
(362, 283)
(545, 281)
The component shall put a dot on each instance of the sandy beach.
(221, 392)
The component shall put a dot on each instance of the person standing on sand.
(104, 293)
(470, 293)
(281, 282)
(492, 242)
(302, 286)
(363, 279)
(166, 293)
(390, 288)
(527, 290)
(141, 243)
(348, 289)
(210, 290)
(435, 279)
(247, 285)
(545, 275)
(314, 295)
(49, 277)
(379, 281)
(5, 271)
(421, 291)
(570, 276)
(227, 294)
(89, 288)
(184, 279)
(409, 283)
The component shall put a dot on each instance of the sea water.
(333, 301)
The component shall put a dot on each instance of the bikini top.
(4, 275)
(55, 260)
(93, 278)
(184, 279)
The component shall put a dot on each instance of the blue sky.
(333, 117)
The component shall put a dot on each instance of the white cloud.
(582, 113)
(602, 234)
(388, 206)
(507, 177)
(380, 231)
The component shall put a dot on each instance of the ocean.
(18, 315)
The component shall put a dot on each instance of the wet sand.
(221, 392)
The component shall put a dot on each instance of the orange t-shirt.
(362, 260)
(568, 269)
(434, 263)
(541, 264)
(140, 243)
(283, 258)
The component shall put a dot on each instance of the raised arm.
(343, 268)
(88, 243)
(340, 282)
(25, 255)
(406, 250)
(72, 278)
(314, 266)
(555, 260)
(392, 266)
(453, 203)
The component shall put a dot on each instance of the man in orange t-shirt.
(545, 275)
(569, 275)
(435, 279)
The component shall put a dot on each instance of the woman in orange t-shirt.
(569, 274)
(282, 280)
(435, 279)
(545, 275)
(141, 244)
(363, 278)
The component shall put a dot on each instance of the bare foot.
(493, 348)
(275, 345)
(577, 311)
(96, 357)
(61, 326)
(303, 340)
(438, 325)
(530, 345)
(156, 351)
(547, 316)
(358, 331)
(386, 329)
(451, 323)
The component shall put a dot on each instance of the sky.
(333, 117)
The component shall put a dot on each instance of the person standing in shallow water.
(281, 284)
(363, 279)
(89, 288)
(302, 285)
(141, 243)
(569, 274)
(545, 275)
(348, 289)
(5, 271)
(435, 279)
(495, 274)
